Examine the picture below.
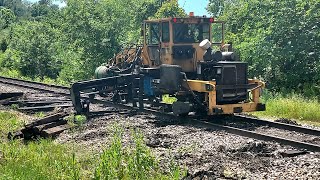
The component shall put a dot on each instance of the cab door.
(152, 41)
(165, 54)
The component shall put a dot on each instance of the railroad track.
(61, 90)
(278, 125)
(204, 123)
(41, 103)
(266, 137)
(208, 124)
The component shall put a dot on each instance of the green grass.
(45, 159)
(38, 160)
(133, 162)
(35, 160)
(8, 122)
(292, 107)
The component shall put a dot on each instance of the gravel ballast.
(206, 154)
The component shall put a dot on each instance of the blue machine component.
(148, 90)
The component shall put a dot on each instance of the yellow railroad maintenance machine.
(185, 59)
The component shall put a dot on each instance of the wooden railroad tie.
(47, 127)
(6, 97)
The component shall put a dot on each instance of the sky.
(54, 2)
(196, 6)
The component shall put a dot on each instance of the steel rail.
(195, 122)
(229, 129)
(33, 85)
(259, 136)
(34, 82)
(278, 125)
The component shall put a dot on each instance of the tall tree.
(19, 7)
(70, 42)
(99, 28)
(34, 42)
(7, 17)
(170, 9)
(279, 39)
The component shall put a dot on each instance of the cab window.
(190, 33)
(165, 32)
(217, 33)
(152, 33)
(206, 31)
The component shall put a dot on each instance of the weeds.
(80, 119)
(291, 106)
(75, 168)
(76, 120)
(14, 106)
(133, 162)
(40, 114)
(36, 160)
(8, 122)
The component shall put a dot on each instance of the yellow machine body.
(209, 88)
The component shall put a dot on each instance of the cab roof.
(191, 19)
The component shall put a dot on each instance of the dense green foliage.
(42, 40)
(279, 39)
